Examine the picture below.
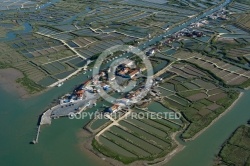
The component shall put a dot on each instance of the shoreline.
(216, 119)
(8, 78)
(173, 153)
(180, 147)
(87, 148)
(169, 156)
(85, 145)
(8, 82)
(29, 95)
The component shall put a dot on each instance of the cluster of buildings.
(222, 14)
(133, 94)
(85, 90)
(113, 109)
(130, 98)
(124, 70)
(88, 88)
(128, 72)
(176, 36)
(193, 34)
(188, 32)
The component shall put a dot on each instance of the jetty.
(45, 119)
(35, 141)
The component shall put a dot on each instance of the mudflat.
(8, 82)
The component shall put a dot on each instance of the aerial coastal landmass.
(236, 149)
(125, 82)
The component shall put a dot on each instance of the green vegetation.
(94, 57)
(200, 99)
(200, 117)
(189, 93)
(97, 124)
(226, 102)
(121, 141)
(4, 65)
(245, 84)
(68, 33)
(236, 150)
(4, 31)
(212, 73)
(30, 85)
(109, 153)
(147, 139)
(243, 1)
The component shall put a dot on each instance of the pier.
(63, 110)
(45, 119)
(35, 141)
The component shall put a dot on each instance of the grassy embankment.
(30, 85)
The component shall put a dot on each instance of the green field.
(236, 150)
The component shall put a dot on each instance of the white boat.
(60, 84)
